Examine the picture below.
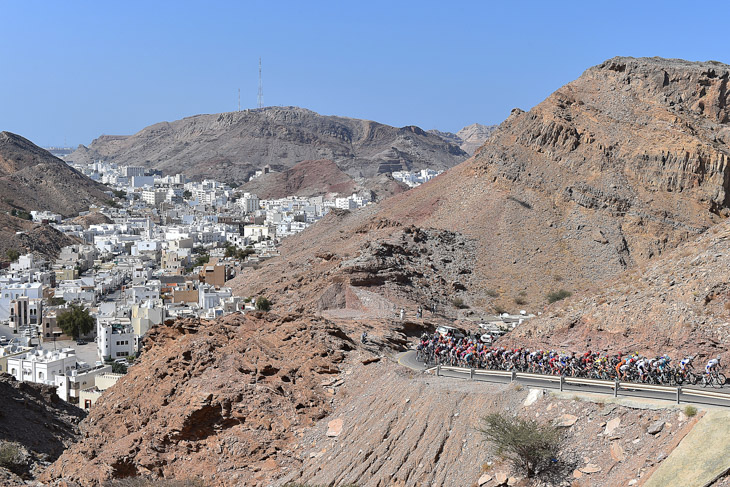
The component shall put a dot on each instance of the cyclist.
(621, 367)
(712, 365)
(643, 367)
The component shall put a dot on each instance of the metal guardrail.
(615, 386)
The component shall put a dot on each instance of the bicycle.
(715, 379)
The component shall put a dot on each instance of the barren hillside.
(307, 178)
(232, 146)
(607, 173)
(24, 236)
(594, 189)
(33, 179)
(677, 304)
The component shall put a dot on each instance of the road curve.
(408, 359)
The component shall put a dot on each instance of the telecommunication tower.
(239, 99)
(261, 89)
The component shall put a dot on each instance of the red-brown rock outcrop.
(217, 400)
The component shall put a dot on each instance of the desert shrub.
(491, 293)
(499, 309)
(554, 296)
(519, 300)
(690, 411)
(459, 303)
(263, 304)
(12, 254)
(530, 446)
(9, 456)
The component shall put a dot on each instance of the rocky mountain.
(321, 177)
(91, 218)
(307, 178)
(232, 146)
(33, 179)
(35, 426)
(24, 236)
(470, 138)
(606, 174)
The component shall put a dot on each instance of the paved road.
(408, 359)
(85, 353)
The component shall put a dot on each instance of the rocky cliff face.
(37, 425)
(33, 179)
(232, 146)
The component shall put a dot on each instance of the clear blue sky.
(72, 70)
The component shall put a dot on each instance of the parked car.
(444, 330)
(81, 342)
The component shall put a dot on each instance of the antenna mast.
(239, 99)
(261, 88)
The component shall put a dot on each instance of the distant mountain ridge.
(232, 146)
(470, 138)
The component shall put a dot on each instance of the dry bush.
(530, 446)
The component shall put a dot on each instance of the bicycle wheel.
(721, 379)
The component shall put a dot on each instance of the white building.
(210, 297)
(132, 171)
(258, 232)
(146, 315)
(249, 203)
(153, 197)
(42, 366)
(142, 181)
(115, 340)
(45, 217)
(69, 385)
(11, 292)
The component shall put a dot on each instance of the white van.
(444, 330)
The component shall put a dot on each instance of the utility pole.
(260, 103)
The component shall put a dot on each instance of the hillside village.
(164, 248)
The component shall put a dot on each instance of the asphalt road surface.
(408, 359)
(85, 353)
